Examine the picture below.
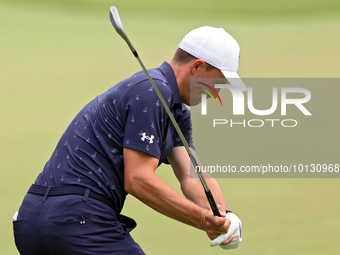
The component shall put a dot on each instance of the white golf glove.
(234, 229)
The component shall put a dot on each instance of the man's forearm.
(158, 195)
(193, 190)
(190, 183)
(142, 182)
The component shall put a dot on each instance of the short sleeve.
(145, 117)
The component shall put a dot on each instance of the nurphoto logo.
(238, 109)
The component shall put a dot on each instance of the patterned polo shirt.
(129, 114)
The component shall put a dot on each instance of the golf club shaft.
(116, 20)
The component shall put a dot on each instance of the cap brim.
(235, 80)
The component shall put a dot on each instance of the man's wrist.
(203, 219)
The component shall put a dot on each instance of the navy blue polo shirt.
(129, 114)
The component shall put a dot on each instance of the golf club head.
(117, 24)
(115, 20)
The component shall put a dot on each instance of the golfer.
(113, 147)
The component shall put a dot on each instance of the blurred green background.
(55, 56)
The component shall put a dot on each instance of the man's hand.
(214, 226)
(234, 231)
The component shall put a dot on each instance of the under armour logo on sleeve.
(150, 138)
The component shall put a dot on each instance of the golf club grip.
(212, 203)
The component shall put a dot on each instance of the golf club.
(115, 20)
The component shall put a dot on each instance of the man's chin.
(194, 102)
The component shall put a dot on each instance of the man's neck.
(182, 77)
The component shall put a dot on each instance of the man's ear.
(196, 65)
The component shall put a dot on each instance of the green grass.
(57, 55)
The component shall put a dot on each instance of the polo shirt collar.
(169, 74)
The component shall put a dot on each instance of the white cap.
(216, 47)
